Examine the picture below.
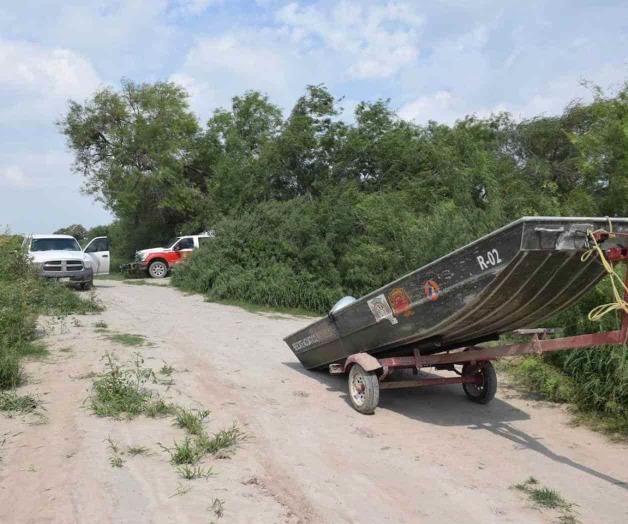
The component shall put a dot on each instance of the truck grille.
(63, 265)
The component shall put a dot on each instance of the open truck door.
(98, 251)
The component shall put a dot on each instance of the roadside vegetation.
(546, 498)
(123, 392)
(308, 206)
(23, 297)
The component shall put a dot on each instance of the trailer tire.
(481, 394)
(363, 389)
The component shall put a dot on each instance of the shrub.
(23, 296)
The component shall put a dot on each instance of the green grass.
(546, 498)
(184, 452)
(166, 369)
(594, 386)
(137, 450)
(191, 472)
(11, 402)
(257, 308)
(36, 350)
(23, 297)
(116, 454)
(139, 282)
(127, 339)
(191, 420)
(121, 391)
(194, 447)
(11, 374)
(220, 441)
(110, 276)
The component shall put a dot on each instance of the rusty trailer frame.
(368, 374)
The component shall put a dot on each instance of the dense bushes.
(308, 208)
(23, 295)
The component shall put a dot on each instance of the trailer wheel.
(363, 389)
(481, 393)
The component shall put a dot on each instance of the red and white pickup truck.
(157, 261)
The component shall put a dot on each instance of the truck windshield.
(171, 242)
(55, 244)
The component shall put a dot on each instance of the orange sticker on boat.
(400, 302)
(431, 289)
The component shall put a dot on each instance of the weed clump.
(127, 339)
(190, 472)
(191, 420)
(11, 402)
(223, 440)
(546, 498)
(120, 391)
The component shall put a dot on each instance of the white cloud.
(440, 106)
(13, 176)
(203, 97)
(55, 71)
(195, 7)
(376, 40)
(35, 81)
(217, 68)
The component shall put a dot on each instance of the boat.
(515, 277)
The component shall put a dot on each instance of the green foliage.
(121, 391)
(546, 498)
(127, 339)
(75, 230)
(308, 208)
(12, 402)
(223, 440)
(191, 420)
(23, 296)
(190, 472)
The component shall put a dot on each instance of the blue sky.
(438, 59)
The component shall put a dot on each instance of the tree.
(133, 148)
(76, 230)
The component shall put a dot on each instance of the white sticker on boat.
(380, 308)
(489, 260)
(304, 343)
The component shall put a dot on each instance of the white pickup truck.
(61, 257)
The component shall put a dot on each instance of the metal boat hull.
(515, 277)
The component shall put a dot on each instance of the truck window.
(100, 244)
(203, 240)
(186, 243)
(54, 244)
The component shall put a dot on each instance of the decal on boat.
(431, 290)
(491, 259)
(381, 309)
(400, 302)
(304, 343)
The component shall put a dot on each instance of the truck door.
(98, 252)
(184, 247)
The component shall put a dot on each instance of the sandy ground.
(427, 455)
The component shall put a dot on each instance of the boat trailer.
(368, 374)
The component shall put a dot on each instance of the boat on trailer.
(515, 277)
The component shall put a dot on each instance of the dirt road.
(427, 455)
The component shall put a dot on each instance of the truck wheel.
(363, 389)
(158, 269)
(86, 286)
(484, 392)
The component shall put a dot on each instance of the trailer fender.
(367, 362)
